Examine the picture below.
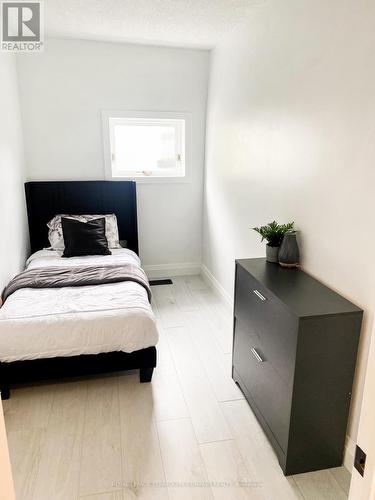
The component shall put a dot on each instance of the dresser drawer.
(273, 328)
(271, 395)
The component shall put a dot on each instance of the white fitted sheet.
(46, 323)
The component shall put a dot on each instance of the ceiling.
(183, 23)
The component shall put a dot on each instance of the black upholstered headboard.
(44, 200)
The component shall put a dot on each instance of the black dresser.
(294, 354)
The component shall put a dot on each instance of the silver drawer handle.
(259, 295)
(256, 355)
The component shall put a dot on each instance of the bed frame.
(44, 200)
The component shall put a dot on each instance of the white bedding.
(45, 323)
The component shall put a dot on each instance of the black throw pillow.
(84, 238)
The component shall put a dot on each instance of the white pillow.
(55, 232)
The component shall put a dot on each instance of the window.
(146, 145)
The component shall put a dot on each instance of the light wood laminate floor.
(187, 435)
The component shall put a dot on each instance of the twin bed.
(53, 331)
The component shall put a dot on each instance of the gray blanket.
(59, 277)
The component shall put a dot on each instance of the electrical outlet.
(360, 460)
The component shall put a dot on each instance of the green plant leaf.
(273, 232)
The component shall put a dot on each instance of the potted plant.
(273, 233)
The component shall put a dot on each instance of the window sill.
(153, 180)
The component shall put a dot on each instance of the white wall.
(363, 488)
(63, 92)
(13, 239)
(291, 136)
(6, 480)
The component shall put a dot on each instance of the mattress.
(47, 323)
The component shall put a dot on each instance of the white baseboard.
(168, 270)
(213, 283)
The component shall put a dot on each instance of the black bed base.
(20, 372)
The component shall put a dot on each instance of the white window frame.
(106, 130)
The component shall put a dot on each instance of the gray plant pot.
(272, 254)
